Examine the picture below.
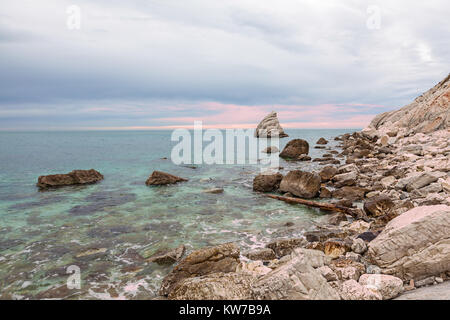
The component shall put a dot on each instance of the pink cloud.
(218, 115)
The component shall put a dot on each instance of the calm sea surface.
(41, 233)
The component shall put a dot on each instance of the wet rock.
(264, 254)
(296, 279)
(283, 247)
(75, 177)
(302, 184)
(388, 286)
(271, 149)
(221, 258)
(337, 218)
(270, 127)
(322, 141)
(327, 173)
(267, 182)
(213, 190)
(415, 244)
(378, 206)
(161, 178)
(295, 149)
(169, 257)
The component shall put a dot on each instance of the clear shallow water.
(42, 232)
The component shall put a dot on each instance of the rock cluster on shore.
(396, 176)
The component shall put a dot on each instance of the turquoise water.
(41, 233)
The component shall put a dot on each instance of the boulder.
(161, 178)
(76, 177)
(322, 141)
(352, 290)
(325, 193)
(295, 149)
(296, 279)
(264, 254)
(216, 286)
(267, 182)
(221, 258)
(327, 173)
(378, 206)
(388, 286)
(302, 184)
(415, 244)
(270, 127)
(345, 179)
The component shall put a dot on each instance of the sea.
(91, 241)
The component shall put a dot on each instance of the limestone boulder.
(388, 286)
(415, 244)
(297, 279)
(222, 258)
(270, 127)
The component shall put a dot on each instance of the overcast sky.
(166, 63)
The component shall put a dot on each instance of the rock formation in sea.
(75, 177)
(270, 127)
(158, 178)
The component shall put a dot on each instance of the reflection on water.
(108, 229)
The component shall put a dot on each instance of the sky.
(153, 64)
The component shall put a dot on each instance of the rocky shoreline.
(396, 175)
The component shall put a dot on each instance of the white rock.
(415, 244)
(388, 286)
(352, 290)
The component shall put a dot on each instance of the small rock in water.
(162, 178)
(214, 190)
(322, 141)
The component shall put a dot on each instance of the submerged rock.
(75, 177)
(169, 257)
(295, 149)
(302, 184)
(161, 178)
(322, 141)
(270, 127)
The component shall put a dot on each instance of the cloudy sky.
(166, 63)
